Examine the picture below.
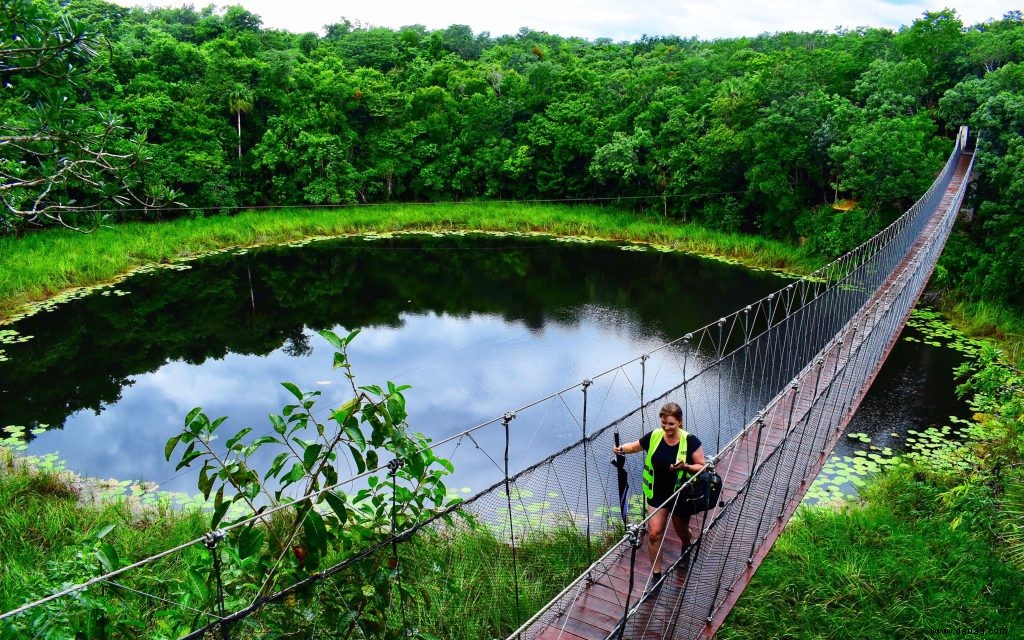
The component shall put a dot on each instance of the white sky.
(615, 19)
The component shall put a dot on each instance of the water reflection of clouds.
(462, 370)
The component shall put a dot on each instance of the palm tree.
(239, 102)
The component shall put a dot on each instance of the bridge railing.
(730, 376)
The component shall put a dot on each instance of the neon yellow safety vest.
(681, 475)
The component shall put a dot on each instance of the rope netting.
(765, 389)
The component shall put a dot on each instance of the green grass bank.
(40, 265)
(898, 564)
(460, 582)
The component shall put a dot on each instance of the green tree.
(60, 159)
(937, 40)
(267, 553)
(996, 42)
(889, 163)
(239, 102)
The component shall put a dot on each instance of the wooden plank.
(555, 633)
(592, 603)
(583, 613)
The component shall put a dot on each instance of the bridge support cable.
(814, 426)
(210, 540)
(643, 381)
(506, 420)
(586, 474)
(801, 451)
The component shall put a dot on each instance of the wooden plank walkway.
(600, 604)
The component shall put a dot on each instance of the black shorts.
(669, 503)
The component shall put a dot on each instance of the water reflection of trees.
(85, 352)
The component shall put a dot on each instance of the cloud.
(613, 19)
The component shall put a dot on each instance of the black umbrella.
(620, 463)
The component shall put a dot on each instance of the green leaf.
(358, 458)
(238, 436)
(206, 481)
(371, 459)
(355, 434)
(296, 473)
(374, 389)
(415, 465)
(351, 336)
(310, 455)
(396, 407)
(294, 389)
(188, 458)
(196, 584)
(342, 414)
(262, 440)
(277, 465)
(169, 447)
(196, 421)
(333, 338)
(218, 514)
(108, 558)
(104, 531)
(279, 424)
(337, 504)
(316, 531)
(192, 415)
(250, 541)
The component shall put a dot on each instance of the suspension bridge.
(768, 390)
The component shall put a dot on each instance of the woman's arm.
(698, 462)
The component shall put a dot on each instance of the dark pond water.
(911, 407)
(476, 324)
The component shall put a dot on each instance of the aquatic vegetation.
(937, 331)
(842, 475)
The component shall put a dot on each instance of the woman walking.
(673, 455)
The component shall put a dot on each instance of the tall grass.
(463, 582)
(39, 265)
(467, 583)
(978, 318)
(892, 567)
(46, 533)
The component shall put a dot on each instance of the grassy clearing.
(40, 265)
(462, 580)
(470, 580)
(49, 535)
(987, 320)
(461, 583)
(892, 567)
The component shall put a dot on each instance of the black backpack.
(700, 495)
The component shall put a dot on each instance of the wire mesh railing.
(762, 388)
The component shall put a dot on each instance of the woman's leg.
(655, 535)
(682, 527)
